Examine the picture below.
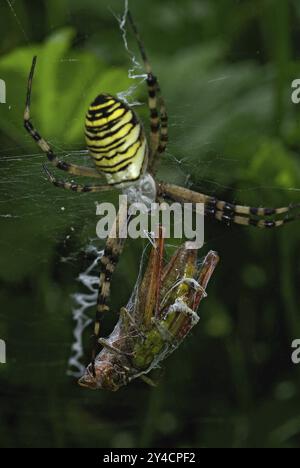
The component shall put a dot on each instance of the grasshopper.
(160, 315)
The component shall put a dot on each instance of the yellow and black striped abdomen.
(115, 139)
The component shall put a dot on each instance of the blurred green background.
(226, 68)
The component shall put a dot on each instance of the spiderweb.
(83, 302)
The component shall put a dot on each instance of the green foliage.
(65, 84)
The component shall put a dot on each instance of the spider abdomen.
(115, 139)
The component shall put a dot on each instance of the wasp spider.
(122, 153)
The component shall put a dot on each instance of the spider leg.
(227, 212)
(108, 262)
(164, 131)
(156, 103)
(73, 169)
(76, 187)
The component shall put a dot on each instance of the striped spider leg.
(228, 213)
(156, 104)
(113, 249)
(160, 314)
(42, 143)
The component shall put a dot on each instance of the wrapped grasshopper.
(160, 315)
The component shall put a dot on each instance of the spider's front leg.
(73, 169)
(156, 104)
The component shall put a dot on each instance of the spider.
(127, 159)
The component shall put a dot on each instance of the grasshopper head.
(107, 377)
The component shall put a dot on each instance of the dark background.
(226, 68)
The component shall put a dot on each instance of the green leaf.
(65, 83)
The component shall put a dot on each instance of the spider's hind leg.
(229, 213)
(263, 218)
